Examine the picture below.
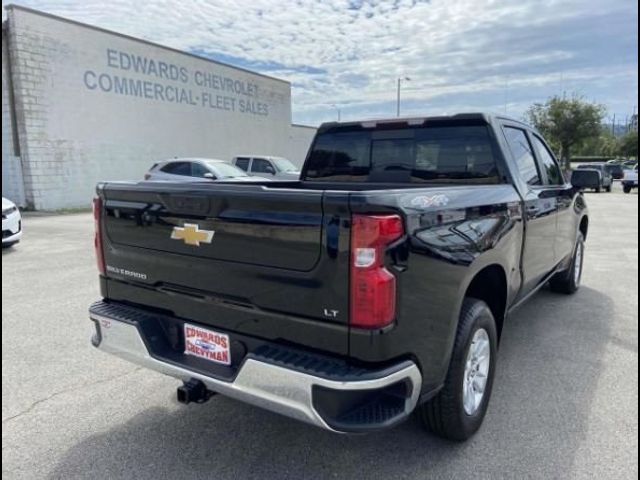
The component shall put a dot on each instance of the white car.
(11, 223)
(278, 168)
(197, 170)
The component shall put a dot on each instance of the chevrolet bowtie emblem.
(191, 234)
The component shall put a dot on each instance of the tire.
(446, 414)
(598, 189)
(626, 189)
(609, 188)
(568, 282)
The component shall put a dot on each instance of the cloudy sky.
(460, 55)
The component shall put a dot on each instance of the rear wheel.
(569, 281)
(598, 189)
(458, 410)
(626, 189)
(609, 188)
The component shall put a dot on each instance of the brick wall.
(300, 138)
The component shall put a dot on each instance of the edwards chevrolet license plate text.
(206, 344)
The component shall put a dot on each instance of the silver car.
(197, 169)
(266, 166)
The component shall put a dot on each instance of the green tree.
(628, 145)
(567, 122)
(605, 145)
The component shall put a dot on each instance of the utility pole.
(613, 126)
(506, 94)
(398, 94)
(337, 109)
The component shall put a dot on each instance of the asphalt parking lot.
(565, 404)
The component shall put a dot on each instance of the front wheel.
(457, 411)
(626, 189)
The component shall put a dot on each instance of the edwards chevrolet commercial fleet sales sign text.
(168, 82)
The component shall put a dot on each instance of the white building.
(81, 104)
(300, 138)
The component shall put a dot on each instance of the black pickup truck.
(375, 286)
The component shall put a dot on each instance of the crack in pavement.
(66, 390)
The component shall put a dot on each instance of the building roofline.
(13, 6)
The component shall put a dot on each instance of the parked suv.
(270, 167)
(606, 179)
(616, 169)
(197, 169)
(630, 180)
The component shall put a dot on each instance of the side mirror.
(271, 170)
(210, 176)
(582, 179)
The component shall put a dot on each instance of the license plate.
(207, 344)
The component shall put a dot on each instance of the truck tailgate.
(274, 229)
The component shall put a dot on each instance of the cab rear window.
(430, 154)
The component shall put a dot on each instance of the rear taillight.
(97, 240)
(373, 287)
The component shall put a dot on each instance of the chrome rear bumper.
(274, 387)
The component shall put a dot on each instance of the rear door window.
(523, 155)
(242, 163)
(178, 168)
